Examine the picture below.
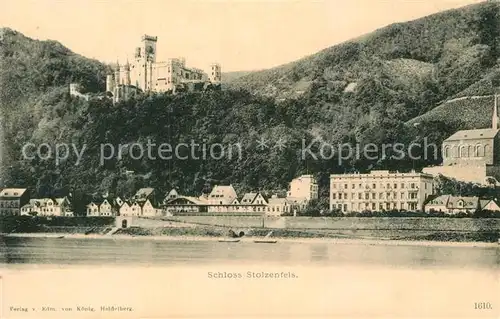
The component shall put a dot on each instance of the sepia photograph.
(249, 159)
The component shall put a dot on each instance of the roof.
(193, 200)
(484, 202)
(224, 189)
(473, 134)
(223, 193)
(297, 200)
(248, 198)
(12, 192)
(469, 202)
(275, 201)
(452, 202)
(440, 200)
(144, 192)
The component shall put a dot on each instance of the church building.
(472, 155)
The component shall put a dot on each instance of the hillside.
(464, 112)
(363, 91)
(420, 62)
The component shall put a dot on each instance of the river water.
(210, 279)
(68, 251)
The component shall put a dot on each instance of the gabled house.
(108, 208)
(171, 195)
(147, 209)
(489, 204)
(93, 208)
(125, 209)
(65, 206)
(222, 195)
(12, 199)
(460, 204)
(135, 209)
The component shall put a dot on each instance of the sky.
(241, 35)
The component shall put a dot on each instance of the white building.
(304, 186)
(380, 190)
(222, 195)
(48, 207)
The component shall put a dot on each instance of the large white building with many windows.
(380, 190)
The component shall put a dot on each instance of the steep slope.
(431, 59)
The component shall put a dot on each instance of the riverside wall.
(348, 223)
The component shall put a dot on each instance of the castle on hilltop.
(145, 74)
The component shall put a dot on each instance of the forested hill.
(363, 91)
(416, 64)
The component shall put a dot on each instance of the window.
(402, 185)
(345, 207)
(340, 195)
(346, 186)
(334, 196)
(374, 196)
(360, 196)
(334, 185)
(367, 196)
(353, 186)
(374, 186)
(395, 186)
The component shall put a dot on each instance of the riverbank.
(250, 239)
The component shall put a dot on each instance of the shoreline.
(343, 241)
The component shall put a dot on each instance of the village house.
(48, 207)
(103, 207)
(147, 209)
(12, 199)
(184, 205)
(125, 209)
(452, 205)
(291, 205)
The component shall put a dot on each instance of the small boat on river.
(266, 239)
(229, 240)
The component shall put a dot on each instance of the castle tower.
(110, 83)
(494, 120)
(148, 48)
(147, 59)
(117, 74)
(214, 75)
(126, 80)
